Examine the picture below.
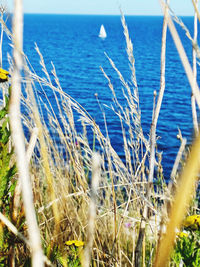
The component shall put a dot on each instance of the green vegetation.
(7, 187)
(187, 249)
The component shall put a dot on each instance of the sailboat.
(102, 33)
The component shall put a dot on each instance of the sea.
(71, 42)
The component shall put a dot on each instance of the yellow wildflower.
(192, 221)
(3, 75)
(182, 234)
(4, 71)
(76, 243)
(69, 242)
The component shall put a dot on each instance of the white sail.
(102, 33)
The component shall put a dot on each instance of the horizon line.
(85, 14)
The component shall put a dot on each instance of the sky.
(107, 7)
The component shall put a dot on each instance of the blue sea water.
(71, 42)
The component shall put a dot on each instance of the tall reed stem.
(18, 138)
(160, 97)
(193, 102)
(185, 61)
(138, 250)
(92, 209)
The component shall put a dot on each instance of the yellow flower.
(3, 75)
(192, 221)
(4, 71)
(69, 242)
(76, 243)
(182, 234)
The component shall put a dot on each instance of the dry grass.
(61, 171)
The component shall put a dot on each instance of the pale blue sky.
(129, 7)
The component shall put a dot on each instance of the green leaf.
(62, 260)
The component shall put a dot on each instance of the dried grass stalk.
(193, 102)
(160, 96)
(18, 139)
(96, 162)
(139, 245)
(184, 60)
(178, 157)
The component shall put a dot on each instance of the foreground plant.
(75, 248)
(3, 75)
(7, 183)
(187, 248)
